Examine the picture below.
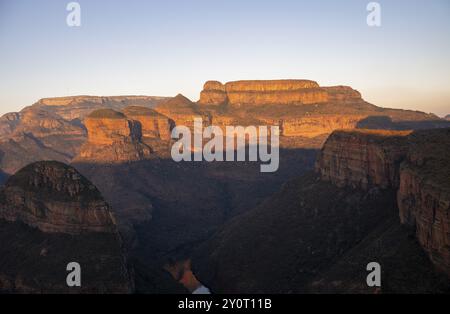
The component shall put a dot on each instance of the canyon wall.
(363, 158)
(415, 164)
(424, 193)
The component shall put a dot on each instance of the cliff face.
(55, 198)
(424, 193)
(416, 165)
(363, 158)
(57, 216)
(112, 137)
(153, 124)
(316, 125)
(283, 92)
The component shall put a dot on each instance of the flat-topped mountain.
(50, 215)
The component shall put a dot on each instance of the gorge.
(377, 190)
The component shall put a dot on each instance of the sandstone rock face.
(363, 158)
(316, 125)
(182, 111)
(270, 92)
(112, 137)
(416, 165)
(424, 193)
(153, 124)
(55, 198)
(106, 127)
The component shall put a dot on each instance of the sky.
(166, 47)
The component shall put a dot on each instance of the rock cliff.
(274, 92)
(55, 198)
(416, 165)
(112, 137)
(153, 124)
(363, 158)
(50, 215)
(424, 193)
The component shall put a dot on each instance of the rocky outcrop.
(55, 198)
(56, 216)
(413, 164)
(153, 124)
(447, 117)
(112, 137)
(363, 158)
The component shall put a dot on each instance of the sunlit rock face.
(269, 92)
(112, 137)
(153, 124)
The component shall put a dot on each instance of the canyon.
(226, 224)
(370, 193)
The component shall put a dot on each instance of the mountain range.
(356, 183)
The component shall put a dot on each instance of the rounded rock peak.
(55, 198)
(54, 181)
(139, 111)
(214, 85)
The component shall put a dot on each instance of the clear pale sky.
(168, 47)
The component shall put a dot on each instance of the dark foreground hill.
(51, 216)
